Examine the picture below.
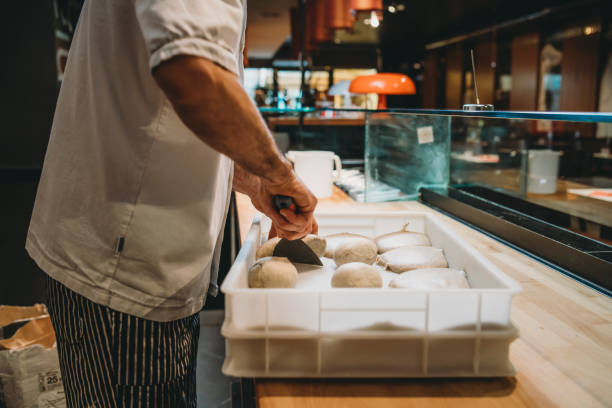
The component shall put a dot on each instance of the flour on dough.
(412, 257)
(316, 243)
(399, 239)
(431, 278)
(334, 240)
(356, 250)
(272, 272)
(356, 275)
(267, 248)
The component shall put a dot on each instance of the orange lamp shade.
(383, 84)
(366, 5)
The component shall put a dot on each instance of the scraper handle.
(282, 202)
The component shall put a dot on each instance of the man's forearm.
(245, 182)
(212, 103)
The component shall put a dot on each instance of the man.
(131, 205)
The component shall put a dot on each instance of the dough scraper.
(296, 250)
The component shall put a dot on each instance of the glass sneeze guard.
(551, 171)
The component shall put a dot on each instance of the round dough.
(272, 272)
(316, 243)
(356, 275)
(407, 258)
(334, 240)
(431, 278)
(355, 250)
(267, 248)
(401, 238)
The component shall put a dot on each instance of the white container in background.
(543, 171)
(359, 332)
(316, 169)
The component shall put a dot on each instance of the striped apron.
(112, 359)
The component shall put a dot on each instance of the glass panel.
(403, 153)
(489, 152)
(558, 161)
(565, 168)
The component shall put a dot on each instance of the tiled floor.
(213, 387)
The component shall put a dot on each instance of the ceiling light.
(391, 9)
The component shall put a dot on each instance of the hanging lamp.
(317, 22)
(339, 14)
(383, 84)
(373, 7)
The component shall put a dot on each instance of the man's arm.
(245, 182)
(212, 103)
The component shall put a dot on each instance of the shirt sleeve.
(211, 29)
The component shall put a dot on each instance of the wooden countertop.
(273, 122)
(590, 209)
(563, 357)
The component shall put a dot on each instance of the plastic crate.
(388, 332)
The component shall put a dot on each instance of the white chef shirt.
(131, 205)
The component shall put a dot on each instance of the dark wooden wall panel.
(525, 71)
(454, 77)
(579, 73)
(485, 55)
(432, 81)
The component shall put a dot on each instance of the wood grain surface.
(273, 122)
(590, 209)
(563, 357)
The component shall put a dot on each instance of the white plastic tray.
(388, 332)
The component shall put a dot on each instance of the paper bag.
(29, 366)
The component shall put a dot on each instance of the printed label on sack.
(425, 134)
(50, 380)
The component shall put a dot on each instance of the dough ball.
(272, 272)
(267, 248)
(355, 250)
(399, 239)
(431, 278)
(407, 258)
(316, 243)
(334, 240)
(356, 275)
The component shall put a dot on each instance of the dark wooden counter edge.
(243, 393)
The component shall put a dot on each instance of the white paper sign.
(425, 134)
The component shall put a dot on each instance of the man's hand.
(261, 191)
(287, 223)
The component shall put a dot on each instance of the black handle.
(282, 202)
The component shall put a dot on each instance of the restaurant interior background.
(530, 56)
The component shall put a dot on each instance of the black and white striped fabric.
(111, 359)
